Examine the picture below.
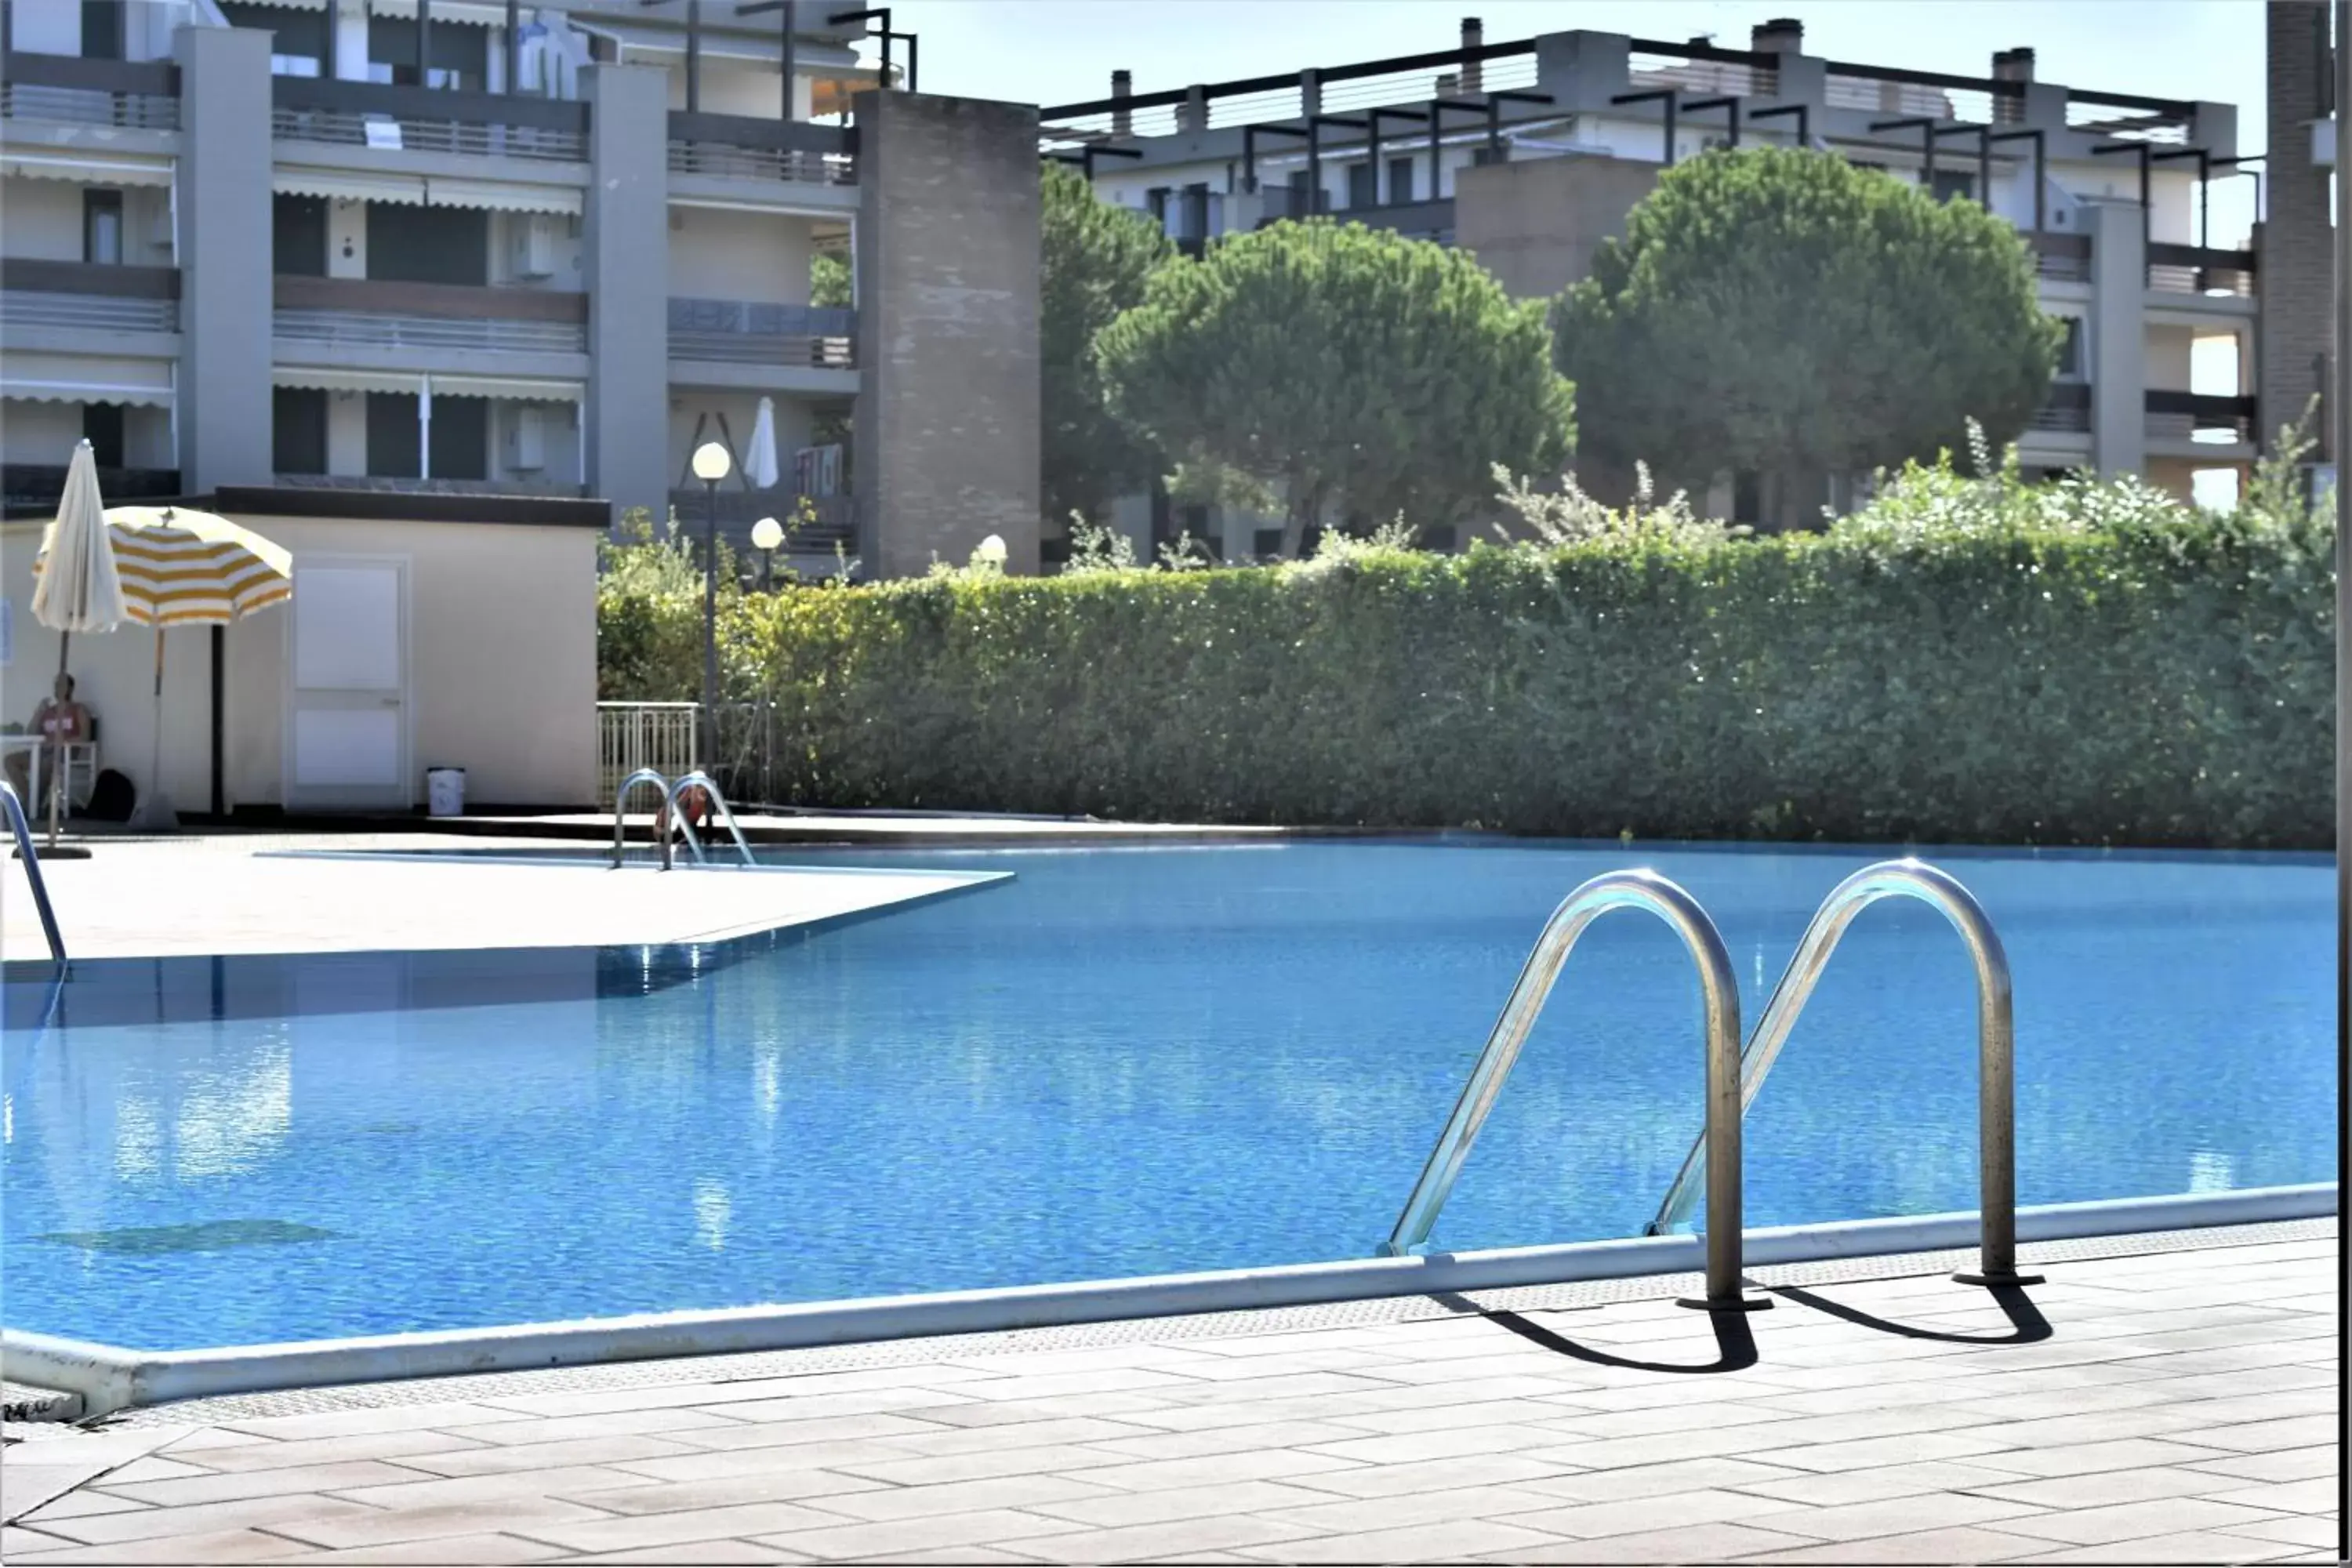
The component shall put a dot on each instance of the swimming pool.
(1126, 1062)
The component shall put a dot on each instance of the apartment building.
(1530, 153)
(474, 246)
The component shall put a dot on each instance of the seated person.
(59, 720)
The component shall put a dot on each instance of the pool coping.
(110, 1378)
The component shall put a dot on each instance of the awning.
(88, 168)
(336, 378)
(427, 190)
(339, 378)
(348, 186)
(640, 39)
(291, 5)
(85, 378)
(503, 195)
(479, 12)
(522, 388)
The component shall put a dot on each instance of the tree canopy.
(1362, 374)
(1096, 259)
(1780, 311)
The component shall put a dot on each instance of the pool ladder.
(671, 792)
(23, 830)
(1734, 1075)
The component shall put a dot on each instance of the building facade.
(1531, 153)
(476, 246)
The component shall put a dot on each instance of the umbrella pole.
(52, 753)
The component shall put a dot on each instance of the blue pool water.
(1121, 1062)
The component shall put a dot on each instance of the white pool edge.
(110, 1378)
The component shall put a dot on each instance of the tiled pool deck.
(2161, 1399)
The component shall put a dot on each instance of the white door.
(347, 695)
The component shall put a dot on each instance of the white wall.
(721, 254)
(503, 664)
(2169, 358)
(568, 277)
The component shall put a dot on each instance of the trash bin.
(445, 791)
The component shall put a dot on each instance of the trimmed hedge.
(2161, 684)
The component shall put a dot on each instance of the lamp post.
(711, 464)
(766, 535)
(992, 551)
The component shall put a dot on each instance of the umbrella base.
(154, 814)
(56, 852)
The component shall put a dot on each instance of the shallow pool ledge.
(109, 1378)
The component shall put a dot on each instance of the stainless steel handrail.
(1613, 890)
(24, 833)
(1996, 1049)
(726, 814)
(621, 798)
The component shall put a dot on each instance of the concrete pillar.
(625, 243)
(2295, 275)
(2118, 336)
(948, 416)
(224, 258)
(1583, 70)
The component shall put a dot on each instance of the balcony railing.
(2196, 415)
(837, 519)
(2066, 409)
(2192, 269)
(423, 119)
(2060, 257)
(739, 147)
(142, 95)
(33, 488)
(89, 296)
(743, 331)
(372, 313)
(395, 484)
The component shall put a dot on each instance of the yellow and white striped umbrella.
(184, 568)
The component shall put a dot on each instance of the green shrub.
(1963, 661)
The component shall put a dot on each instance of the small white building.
(425, 631)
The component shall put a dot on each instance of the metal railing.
(671, 812)
(344, 128)
(2066, 406)
(2190, 415)
(23, 832)
(2060, 257)
(89, 106)
(383, 329)
(89, 312)
(636, 737)
(620, 822)
(2195, 269)
(793, 164)
(1996, 1050)
(1613, 890)
(747, 332)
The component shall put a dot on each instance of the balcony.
(743, 331)
(141, 95)
(739, 147)
(2065, 410)
(2194, 271)
(75, 296)
(421, 119)
(2199, 418)
(350, 312)
(2060, 257)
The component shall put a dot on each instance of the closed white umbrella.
(760, 463)
(78, 588)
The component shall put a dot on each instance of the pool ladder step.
(673, 792)
(1735, 1074)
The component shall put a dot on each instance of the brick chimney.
(1123, 120)
(1781, 36)
(2013, 64)
(1474, 37)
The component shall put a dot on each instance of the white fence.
(632, 735)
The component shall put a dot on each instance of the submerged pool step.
(23, 1402)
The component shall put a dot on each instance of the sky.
(1063, 51)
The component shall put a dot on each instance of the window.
(393, 451)
(298, 238)
(101, 426)
(430, 245)
(101, 226)
(1363, 185)
(461, 56)
(298, 431)
(1748, 497)
(302, 40)
(1950, 183)
(1302, 193)
(101, 29)
(1155, 202)
(1194, 223)
(2070, 352)
(1399, 179)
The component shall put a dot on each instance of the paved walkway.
(235, 894)
(2143, 1407)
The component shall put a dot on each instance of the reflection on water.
(1121, 1063)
